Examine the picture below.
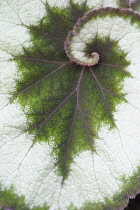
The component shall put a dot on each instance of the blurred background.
(136, 5)
(134, 204)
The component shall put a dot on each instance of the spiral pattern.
(70, 134)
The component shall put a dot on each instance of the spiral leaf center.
(75, 48)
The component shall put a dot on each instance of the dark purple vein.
(114, 94)
(86, 128)
(114, 66)
(78, 105)
(43, 33)
(69, 140)
(53, 112)
(102, 92)
(58, 107)
(55, 20)
(40, 80)
(37, 60)
(73, 121)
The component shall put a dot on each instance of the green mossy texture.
(41, 100)
(9, 200)
(109, 78)
(128, 190)
(123, 3)
(46, 96)
(49, 104)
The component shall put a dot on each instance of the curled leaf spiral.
(77, 87)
